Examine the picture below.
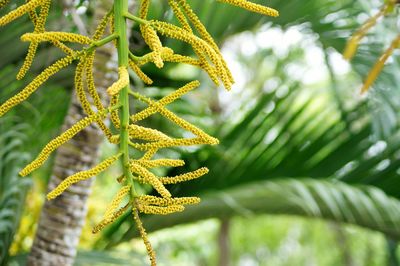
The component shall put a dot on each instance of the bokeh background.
(307, 172)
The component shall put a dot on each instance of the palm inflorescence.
(125, 131)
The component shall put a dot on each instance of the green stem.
(135, 18)
(120, 9)
(102, 42)
(133, 57)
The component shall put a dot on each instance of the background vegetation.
(307, 172)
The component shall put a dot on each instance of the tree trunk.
(61, 219)
(223, 243)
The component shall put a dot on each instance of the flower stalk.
(126, 133)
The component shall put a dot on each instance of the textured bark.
(61, 219)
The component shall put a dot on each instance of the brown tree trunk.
(61, 219)
(223, 243)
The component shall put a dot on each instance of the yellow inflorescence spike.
(143, 234)
(153, 200)
(199, 45)
(153, 41)
(52, 36)
(121, 83)
(81, 176)
(267, 11)
(160, 210)
(159, 162)
(63, 47)
(81, 94)
(166, 100)
(39, 80)
(177, 58)
(110, 219)
(352, 44)
(140, 73)
(149, 154)
(108, 214)
(376, 70)
(145, 133)
(90, 82)
(58, 141)
(114, 114)
(147, 58)
(28, 60)
(144, 8)
(102, 27)
(177, 120)
(180, 15)
(208, 38)
(20, 11)
(170, 143)
(184, 177)
(39, 22)
(144, 139)
(151, 179)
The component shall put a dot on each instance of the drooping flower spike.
(126, 133)
(353, 43)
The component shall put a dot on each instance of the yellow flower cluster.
(144, 236)
(160, 210)
(151, 38)
(159, 162)
(163, 206)
(157, 201)
(122, 193)
(81, 176)
(140, 73)
(58, 141)
(126, 131)
(144, 133)
(37, 82)
(202, 48)
(184, 177)
(267, 11)
(20, 11)
(52, 36)
(39, 27)
(353, 43)
(122, 82)
(115, 215)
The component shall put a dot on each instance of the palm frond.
(336, 201)
(12, 188)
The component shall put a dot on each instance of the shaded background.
(307, 172)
